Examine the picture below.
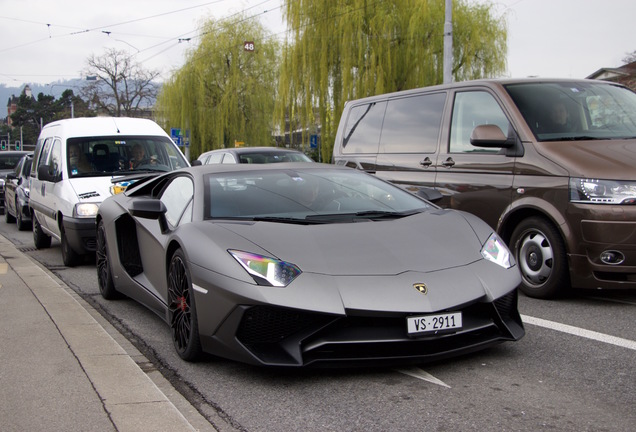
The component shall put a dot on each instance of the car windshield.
(91, 156)
(318, 195)
(273, 157)
(559, 111)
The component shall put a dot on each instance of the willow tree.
(225, 91)
(345, 49)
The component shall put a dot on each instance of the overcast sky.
(44, 41)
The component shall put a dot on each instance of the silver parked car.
(255, 155)
(16, 194)
(306, 265)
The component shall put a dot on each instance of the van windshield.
(559, 111)
(91, 156)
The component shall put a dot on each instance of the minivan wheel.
(540, 253)
(40, 239)
(69, 256)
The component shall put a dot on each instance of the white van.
(80, 162)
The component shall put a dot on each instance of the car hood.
(424, 242)
(607, 159)
(92, 189)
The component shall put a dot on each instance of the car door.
(53, 190)
(477, 180)
(10, 186)
(408, 144)
(39, 201)
(177, 196)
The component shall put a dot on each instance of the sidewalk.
(61, 370)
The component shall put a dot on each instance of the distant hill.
(55, 89)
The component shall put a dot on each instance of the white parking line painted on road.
(577, 331)
(420, 374)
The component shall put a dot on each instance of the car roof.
(240, 150)
(103, 126)
(282, 166)
(16, 152)
(491, 83)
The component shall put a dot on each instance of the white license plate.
(434, 323)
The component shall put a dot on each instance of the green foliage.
(33, 113)
(224, 93)
(347, 49)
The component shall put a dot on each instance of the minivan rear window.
(362, 131)
(559, 111)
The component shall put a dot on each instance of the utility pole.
(448, 43)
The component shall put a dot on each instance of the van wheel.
(40, 239)
(540, 253)
(69, 256)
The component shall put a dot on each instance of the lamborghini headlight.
(266, 270)
(595, 191)
(495, 250)
(85, 210)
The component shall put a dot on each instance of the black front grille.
(286, 336)
(270, 325)
(507, 304)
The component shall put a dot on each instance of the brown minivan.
(550, 164)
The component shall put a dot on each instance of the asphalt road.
(573, 371)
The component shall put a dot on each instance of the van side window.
(56, 157)
(470, 110)
(362, 131)
(44, 154)
(34, 165)
(412, 124)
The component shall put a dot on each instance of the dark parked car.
(306, 265)
(16, 194)
(256, 155)
(8, 162)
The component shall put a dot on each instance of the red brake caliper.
(182, 304)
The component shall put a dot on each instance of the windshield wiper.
(279, 219)
(367, 214)
(575, 138)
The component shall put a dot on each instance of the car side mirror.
(45, 172)
(429, 194)
(11, 176)
(150, 209)
(489, 135)
(196, 162)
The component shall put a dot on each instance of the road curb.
(131, 399)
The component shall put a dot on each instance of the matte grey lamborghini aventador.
(306, 265)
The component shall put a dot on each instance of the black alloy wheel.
(183, 314)
(104, 276)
